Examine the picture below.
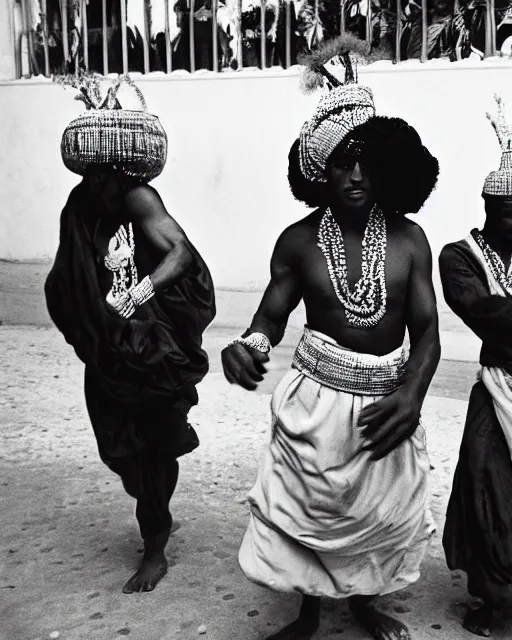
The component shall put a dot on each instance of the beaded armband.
(256, 341)
(142, 292)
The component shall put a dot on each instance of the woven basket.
(499, 183)
(133, 140)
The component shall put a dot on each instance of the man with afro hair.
(340, 507)
(401, 170)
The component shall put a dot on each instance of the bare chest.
(317, 280)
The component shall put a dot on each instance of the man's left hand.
(390, 421)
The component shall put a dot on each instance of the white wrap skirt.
(325, 519)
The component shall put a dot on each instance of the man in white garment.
(340, 505)
(477, 283)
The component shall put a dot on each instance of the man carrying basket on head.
(132, 296)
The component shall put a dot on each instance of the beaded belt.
(358, 373)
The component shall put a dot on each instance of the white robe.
(325, 519)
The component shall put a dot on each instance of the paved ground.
(22, 303)
(69, 537)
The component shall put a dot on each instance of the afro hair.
(402, 171)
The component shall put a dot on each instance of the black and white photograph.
(255, 319)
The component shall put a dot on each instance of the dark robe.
(478, 531)
(140, 373)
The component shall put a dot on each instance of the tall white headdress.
(499, 183)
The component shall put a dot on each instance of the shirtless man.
(132, 295)
(340, 506)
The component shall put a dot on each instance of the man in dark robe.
(477, 285)
(133, 297)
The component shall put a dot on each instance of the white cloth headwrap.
(340, 110)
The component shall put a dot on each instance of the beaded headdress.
(135, 141)
(344, 103)
(499, 183)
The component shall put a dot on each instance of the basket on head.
(135, 141)
(499, 183)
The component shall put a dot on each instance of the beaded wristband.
(123, 304)
(142, 292)
(256, 341)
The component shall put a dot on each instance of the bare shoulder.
(144, 201)
(294, 239)
(414, 237)
(299, 233)
(414, 232)
(303, 229)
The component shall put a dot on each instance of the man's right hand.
(243, 366)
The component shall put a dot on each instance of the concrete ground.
(69, 538)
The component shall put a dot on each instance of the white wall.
(225, 180)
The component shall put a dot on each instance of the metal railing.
(119, 36)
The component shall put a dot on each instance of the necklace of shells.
(120, 259)
(494, 262)
(365, 303)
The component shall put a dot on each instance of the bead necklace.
(365, 304)
(120, 259)
(494, 262)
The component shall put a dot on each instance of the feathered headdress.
(345, 51)
(499, 183)
(344, 105)
(106, 133)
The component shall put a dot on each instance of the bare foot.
(478, 621)
(306, 624)
(379, 625)
(153, 567)
(151, 571)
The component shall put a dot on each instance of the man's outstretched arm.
(395, 418)
(244, 366)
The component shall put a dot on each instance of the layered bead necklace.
(494, 262)
(365, 304)
(120, 259)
